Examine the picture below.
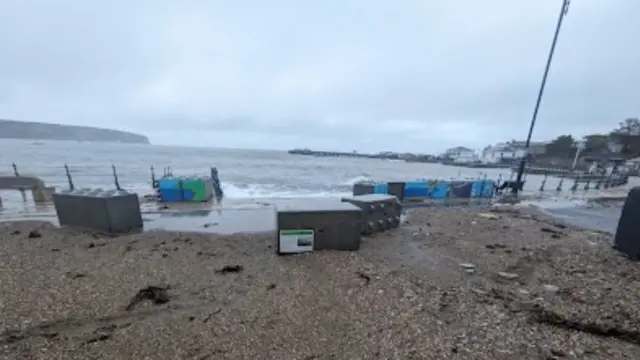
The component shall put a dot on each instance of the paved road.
(596, 217)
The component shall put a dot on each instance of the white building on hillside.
(501, 153)
(461, 154)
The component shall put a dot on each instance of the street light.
(523, 162)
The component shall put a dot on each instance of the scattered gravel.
(69, 294)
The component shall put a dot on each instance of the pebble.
(508, 275)
(488, 216)
(467, 266)
(551, 288)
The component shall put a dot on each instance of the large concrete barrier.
(318, 225)
(41, 192)
(626, 238)
(380, 212)
(113, 211)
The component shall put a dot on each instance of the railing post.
(66, 169)
(559, 187)
(608, 184)
(574, 187)
(115, 178)
(599, 183)
(15, 172)
(153, 178)
(544, 181)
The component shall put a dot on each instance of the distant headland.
(12, 129)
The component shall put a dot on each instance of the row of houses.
(501, 153)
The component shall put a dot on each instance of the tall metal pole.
(523, 161)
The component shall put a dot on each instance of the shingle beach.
(452, 283)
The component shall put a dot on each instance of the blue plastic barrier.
(442, 189)
(380, 188)
(416, 189)
(482, 188)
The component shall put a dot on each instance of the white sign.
(296, 241)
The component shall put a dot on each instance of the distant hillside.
(10, 129)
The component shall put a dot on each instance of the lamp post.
(523, 162)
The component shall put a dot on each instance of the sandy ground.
(432, 289)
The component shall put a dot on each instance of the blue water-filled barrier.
(169, 183)
(482, 188)
(380, 188)
(442, 189)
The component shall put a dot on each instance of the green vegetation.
(623, 141)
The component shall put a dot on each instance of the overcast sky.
(372, 75)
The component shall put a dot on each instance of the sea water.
(249, 177)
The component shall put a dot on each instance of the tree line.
(622, 141)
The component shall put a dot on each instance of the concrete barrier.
(626, 238)
(41, 193)
(113, 211)
(380, 211)
(318, 225)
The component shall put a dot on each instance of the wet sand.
(452, 283)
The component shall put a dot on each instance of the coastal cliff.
(11, 129)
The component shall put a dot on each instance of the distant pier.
(342, 154)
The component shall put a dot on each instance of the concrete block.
(626, 239)
(380, 212)
(460, 189)
(110, 211)
(362, 189)
(396, 189)
(326, 224)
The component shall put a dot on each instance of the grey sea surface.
(253, 178)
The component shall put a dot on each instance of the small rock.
(479, 291)
(508, 275)
(34, 234)
(467, 266)
(230, 269)
(470, 271)
(489, 216)
(558, 353)
(551, 288)
(524, 291)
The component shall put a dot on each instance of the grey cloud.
(410, 75)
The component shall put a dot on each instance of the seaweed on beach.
(611, 330)
(156, 294)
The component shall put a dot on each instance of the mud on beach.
(453, 283)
